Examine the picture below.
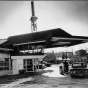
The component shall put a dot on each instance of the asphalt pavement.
(50, 77)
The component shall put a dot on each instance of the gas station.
(27, 50)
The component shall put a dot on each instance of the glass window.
(4, 64)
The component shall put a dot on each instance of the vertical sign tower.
(33, 19)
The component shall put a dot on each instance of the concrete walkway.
(55, 71)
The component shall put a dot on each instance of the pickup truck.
(79, 69)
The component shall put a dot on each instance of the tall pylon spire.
(33, 19)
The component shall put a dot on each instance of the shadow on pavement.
(11, 78)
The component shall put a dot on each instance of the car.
(79, 69)
(46, 63)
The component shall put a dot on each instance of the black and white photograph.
(43, 44)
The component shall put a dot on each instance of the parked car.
(79, 69)
(46, 63)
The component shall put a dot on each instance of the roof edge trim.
(29, 43)
(68, 38)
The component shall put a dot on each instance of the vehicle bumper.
(79, 75)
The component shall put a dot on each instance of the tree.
(63, 55)
(81, 52)
(50, 57)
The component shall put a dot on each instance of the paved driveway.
(49, 78)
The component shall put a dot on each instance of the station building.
(24, 52)
(5, 59)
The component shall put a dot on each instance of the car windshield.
(76, 64)
(79, 65)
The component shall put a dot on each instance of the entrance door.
(28, 65)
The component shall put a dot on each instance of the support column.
(9, 62)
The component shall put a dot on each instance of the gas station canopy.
(49, 38)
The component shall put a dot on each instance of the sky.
(71, 16)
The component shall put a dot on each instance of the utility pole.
(33, 19)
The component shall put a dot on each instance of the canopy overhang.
(50, 39)
(57, 42)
